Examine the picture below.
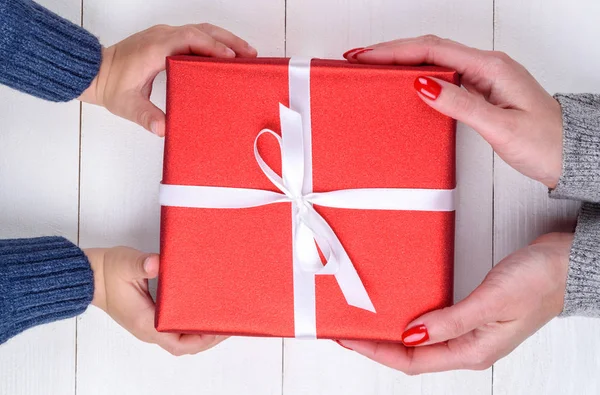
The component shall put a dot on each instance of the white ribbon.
(308, 226)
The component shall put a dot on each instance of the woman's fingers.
(352, 54)
(474, 350)
(425, 49)
(412, 361)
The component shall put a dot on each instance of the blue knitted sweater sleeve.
(43, 54)
(42, 280)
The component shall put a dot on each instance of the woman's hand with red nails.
(500, 100)
(121, 289)
(519, 296)
(124, 82)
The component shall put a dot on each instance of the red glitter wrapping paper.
(229, 271)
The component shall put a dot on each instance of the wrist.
(555, 141)
(96, 259)
(556, 249)
(94, 94)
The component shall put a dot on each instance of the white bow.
(308, 225)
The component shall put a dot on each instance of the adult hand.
(501, 100)
(121, 289)
(124, 83)
(519, 296)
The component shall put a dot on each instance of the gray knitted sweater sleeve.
(580, 180)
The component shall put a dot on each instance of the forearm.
(43, 54)
(580, 177)
(41, 280)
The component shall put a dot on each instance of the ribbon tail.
(352, 286)
(346, 275)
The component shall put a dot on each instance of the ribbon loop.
(292, 150)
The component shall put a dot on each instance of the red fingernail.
(354, 55)
(347, 53)
(340, 343)
(428, 87)
(415, 335)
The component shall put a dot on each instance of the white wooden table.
(80, 172)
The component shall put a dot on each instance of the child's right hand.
(124, 82)
(121, 289)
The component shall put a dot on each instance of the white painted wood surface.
(336, 26)
(556, 41)
(39, 176)
(121, 165)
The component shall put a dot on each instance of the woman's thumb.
(452, 322)
(458, 103)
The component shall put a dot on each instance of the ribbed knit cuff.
(41, 280)
(580, 179)
(43, 54)
(582, 296)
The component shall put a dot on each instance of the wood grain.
(121, 170)
(554, 40)
(121, 166)
(327, 29)
(39, 173)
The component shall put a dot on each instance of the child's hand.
(501, 100)
(121, 289)
(124, 82)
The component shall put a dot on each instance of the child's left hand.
(124, 82)
(121, 289)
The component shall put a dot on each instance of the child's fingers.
(179, 345)
(194, 344)
(189, 39)
(240, 46)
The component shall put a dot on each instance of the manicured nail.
(428, 87)
(340, 343)
(355, 54)
(347, 53)
(146, 264)
(153, 127)
(230, 52)
(415, 335)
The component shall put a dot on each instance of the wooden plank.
(39, 175)
(121, 169)
(327, 29)
(553, 40)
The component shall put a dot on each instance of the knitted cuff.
(582, 296)
(580, 179)
(43, 54)
(41, 280)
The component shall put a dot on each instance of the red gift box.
(229, 270)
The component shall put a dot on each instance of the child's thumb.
(147, 115)
(144, 267)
